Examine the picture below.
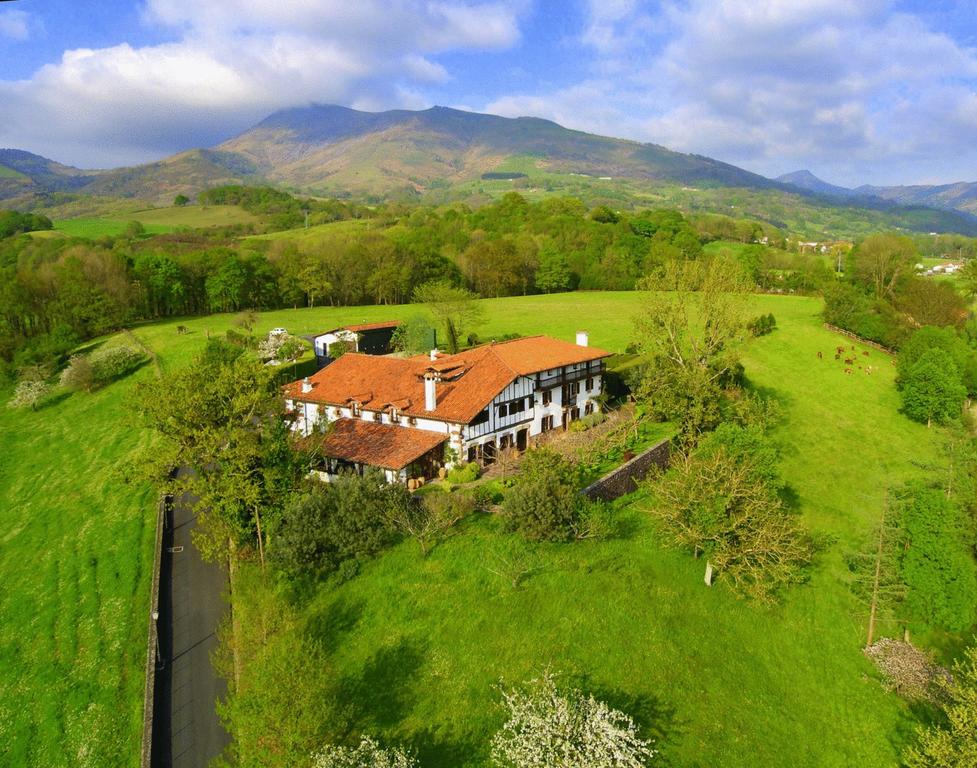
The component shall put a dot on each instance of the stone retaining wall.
(624, 478)
(151, 666)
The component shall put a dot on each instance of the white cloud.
(14, 24)
(235, 62)
(854, 90)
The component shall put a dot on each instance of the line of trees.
(57, 292)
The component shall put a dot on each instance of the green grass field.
(75, 560)
(157, 221)
(719, 681)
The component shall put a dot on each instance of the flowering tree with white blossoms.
(549, 728)
(368, 754)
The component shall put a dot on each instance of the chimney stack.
(582, 339)
(430, 391)
(434, 354)
(306, 385)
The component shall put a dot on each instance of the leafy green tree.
(553, 274)
(549, 727)
(932, 390)
(413, 336)
(968, 278)
(544, 503)
(284, 703)
(947, 339)
(937, 563)
(221, 418)
(333, 522)
(692, 316)
(952, 744)
(180, 200)
(881, 261)
(455, 310)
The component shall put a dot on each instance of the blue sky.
(858, 91)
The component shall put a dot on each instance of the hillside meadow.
(422, 642)
(155, 221)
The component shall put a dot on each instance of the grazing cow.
(837, 356)
(849, 361)
(865, 352)
(819, 355)
(839, 350)
(848, 371)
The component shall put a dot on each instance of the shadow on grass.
(436, 750)
(382, 694)
(655, 718)
(335, 622)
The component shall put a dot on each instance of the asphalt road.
(187, 732)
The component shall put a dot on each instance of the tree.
(547, 727)
(368, 754)
(413, 336)
(932, 390)
(553, 274)
(180, 200)
(691, 318)
(947, 339)
(455, 310)
(722, 500)
(880, 261)
(968, 278)
(285, 704)
(953, 744)
(333, 522)
(936, 561)
(30, 390)
(431, 517)
(222, 418)
(544, 503)
(79, 374)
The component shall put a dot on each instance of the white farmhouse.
(411, 416)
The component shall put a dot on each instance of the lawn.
(720, 681)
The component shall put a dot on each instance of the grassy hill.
(718, 680)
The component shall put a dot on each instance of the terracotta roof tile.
(374, 444)
(470, 379)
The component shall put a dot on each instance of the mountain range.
(960, 196)
(334, 150)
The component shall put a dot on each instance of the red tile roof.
(469, 380)
(374, 444)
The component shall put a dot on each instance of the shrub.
(466, 473)
(114, 362)
(80, 374)
(548, 727)
(334, 522)
(588, 421)
(367, 755)
(429, 517)
(762, 325)
(544, 503)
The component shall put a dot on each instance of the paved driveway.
(187, 732)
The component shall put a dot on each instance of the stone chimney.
(430, 391)
(306, 385)
(434, 354)
(582, 339)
